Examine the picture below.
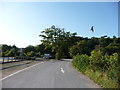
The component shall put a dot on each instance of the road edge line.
(20, 71)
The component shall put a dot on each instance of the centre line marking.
(62, 70)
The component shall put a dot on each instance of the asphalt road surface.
(49, 74)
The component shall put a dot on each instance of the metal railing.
(15, 59)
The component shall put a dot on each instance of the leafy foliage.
(56, 38)
(81, 62)
(102, 63)
(10, 51)
(105, 41)
(83, 47)
(97, 62)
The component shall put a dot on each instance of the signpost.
(21, 49)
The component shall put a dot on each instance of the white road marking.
(42, 62)
(20, 71)
(62, 70)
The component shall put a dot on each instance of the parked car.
(48, 56)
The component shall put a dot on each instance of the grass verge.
(100, 78)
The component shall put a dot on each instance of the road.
(49, 74)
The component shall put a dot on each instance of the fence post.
(8, 59)
(3, 60)
(12, 59)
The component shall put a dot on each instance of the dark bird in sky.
(92, 29)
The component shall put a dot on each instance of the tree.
(82, 47)
(105, 41)
(112, 48)
(9, 51)
(91, 43)
(28, 49)
(41, 50)
(55, 38)
(5, 50)
(31, 54)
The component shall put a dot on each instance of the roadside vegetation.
(100, 63)
(98, 58)
(103, 69)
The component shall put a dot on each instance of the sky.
(22, 22)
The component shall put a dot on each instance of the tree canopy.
(56, 38)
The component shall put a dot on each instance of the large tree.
(10, 51)
(41, 50)
(56, 38)
(28, 49)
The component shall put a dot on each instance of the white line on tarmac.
(62, 70)
(41, 62)
(20, 71)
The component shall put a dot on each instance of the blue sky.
(22, 22)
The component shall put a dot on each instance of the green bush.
(112, 48)
(74, 50)
(105, 62)
(81, 47)
(96, 61)
(81, 62)
(113, 69)
(58, 55)
(99, 67)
